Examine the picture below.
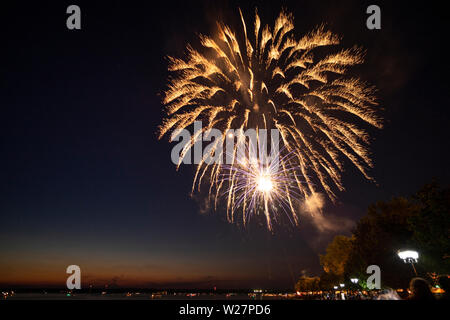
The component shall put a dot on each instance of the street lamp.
(355, 282)
(342, 285)
(335, 287)
(409, 256)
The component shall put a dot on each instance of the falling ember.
(262, 77)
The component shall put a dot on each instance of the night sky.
(84, 180)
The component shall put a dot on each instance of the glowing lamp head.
(408, 256)
(264, 183)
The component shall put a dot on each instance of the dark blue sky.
(83, 179)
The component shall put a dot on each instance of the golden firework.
(264, 77)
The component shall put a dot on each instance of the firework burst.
(263, 77)
(258, 186)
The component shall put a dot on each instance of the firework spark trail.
(269, 79)
(267, 187)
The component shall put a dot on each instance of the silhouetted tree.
(337, 254)
(307, 284)
(419, 222)
(430, 226)
(378, 237)
(329, 280)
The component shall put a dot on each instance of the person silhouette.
(420, 290)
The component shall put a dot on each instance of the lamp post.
(355, 282)
(409, 256)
